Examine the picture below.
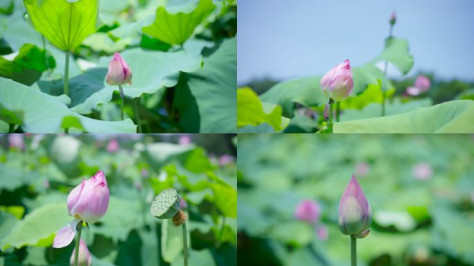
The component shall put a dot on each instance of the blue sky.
(288, 39)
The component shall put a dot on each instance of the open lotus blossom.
(421, 85)
(85, 258)
(119, 72)
(338, 82)
(87, 202)
(422, 171)
(355, 214)
(308, 211)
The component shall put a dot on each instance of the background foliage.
(38, 172)
(419, 217)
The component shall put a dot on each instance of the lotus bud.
(355, 214)
(119, 72)
(90, 199)
(322, 233)
(113, 146)
(16, 141)
(85, 258)
(308, 211)
(167, 205)
(422, 171)
(338, 82)
(422, 84)
(393, 18)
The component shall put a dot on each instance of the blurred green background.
(38, 171)
(420, 187)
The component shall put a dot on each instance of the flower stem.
(185, 244)
(338, 110)
(137, 115)
(384, 96)
(122, 103)
(331, 102)
(78, 240)
(353, 250)
(66, 74)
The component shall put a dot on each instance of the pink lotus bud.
(89, 200)
(183, 204)
(362, 168)
(119, 72)
(393, 18)
(338, 83)
(113, 146)
(355, 214)
(226, 159)
(307, 211)
(16, 141)
(85, 258)
(322, 233)
(184, 140)
(421, 85)
(422, 171)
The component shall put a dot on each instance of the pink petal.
(65, 235)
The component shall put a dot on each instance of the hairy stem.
(78, 240)
(185, 244)
(122, 103)
(66, 74)
(331, 102)
(353, 250)
(137, 115)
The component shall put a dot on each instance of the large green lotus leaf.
(251, 112)
(27, 65)
(396, 52)
(373, 94)
(102, 42)
(19, 32)
(307, 91)
(174, 24)
(262, 128)
(38, 227)
(225, 197)
(206, 98)
(64, 23)
(47, 114)
(449, 117)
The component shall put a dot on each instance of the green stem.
(338, 110)
(11, 128)
(44, 48)
(78, 240)
(137, 115)
(221, 232)
(122, 103)
(384, 96)
(185, 244)
(353, 250)
(330, 115)
(66, 74)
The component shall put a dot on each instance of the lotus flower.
(184, 140)
(113, 146)
(16, 141)
(338, 83)
(362, 169)
(226, 159)
(87, 202)
(422, 84)
(422, 171)
(119, 72)
(393, 18)
(322, 233)
(354, 211)
(85, 258)
(308, 211)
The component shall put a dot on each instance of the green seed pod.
(166, 204)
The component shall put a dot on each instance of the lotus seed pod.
(166, 204)
(354, 211)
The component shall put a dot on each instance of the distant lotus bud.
(338, 83)
(144, 173)
(355, 214)
(226, 159)
(322, 233)
(119, 72)
(184, 140)
(113, 146)
(421, 85)
(84, 258)
(16, 141)
(393, 18)
(183, 204)
(422, 171)
(89, 200)
(362, 169)
(308, 211)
